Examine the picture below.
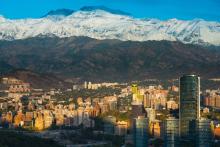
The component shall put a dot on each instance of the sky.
(160, 9)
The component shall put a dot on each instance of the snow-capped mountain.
(100, 23)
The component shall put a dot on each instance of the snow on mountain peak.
(102, 23)
(2, 19)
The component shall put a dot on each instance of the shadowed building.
(109, 124)
(203, 132)
(136, 105)
(171, 132)
(189, 103)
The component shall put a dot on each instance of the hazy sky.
(162, 9)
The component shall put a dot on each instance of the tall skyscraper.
(137, 106)
(151, 114)
(135, 92)
(171, 132)
(137, 110)
(189, 103)
(140, 134)
(139, 122)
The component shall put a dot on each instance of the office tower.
(140, 134)
(151, 114)
(171, 132)
(137, 110)
(85, 85)
(203, 132)
(136, 105)
(189, 103)
(135, 93)
(147, 99)
(134, 88)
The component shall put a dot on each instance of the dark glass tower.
(189, 103)
(171, 132)
(203, 133)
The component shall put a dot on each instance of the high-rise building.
(136, 106)
(134, 88)
(135, 93)
(85, 85)
(140, 134)
(189, 103)
(137, 110)
(151, 114)
(147, 99)
(203, 132)
(171, 132)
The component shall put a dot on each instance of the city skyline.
(135, 113)
(119, 73)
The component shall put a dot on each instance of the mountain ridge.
(101, 24)
(109, 60)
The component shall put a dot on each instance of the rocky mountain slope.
(91, 59)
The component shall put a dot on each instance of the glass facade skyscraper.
(141, 132)
(203, 132)
(189, 109)
(171, 132)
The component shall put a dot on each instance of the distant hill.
(91, 59)
(45, 81)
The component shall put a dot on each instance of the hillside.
(38, 80)
(86, 58)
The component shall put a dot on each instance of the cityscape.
(114, 114)
(109, 73)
